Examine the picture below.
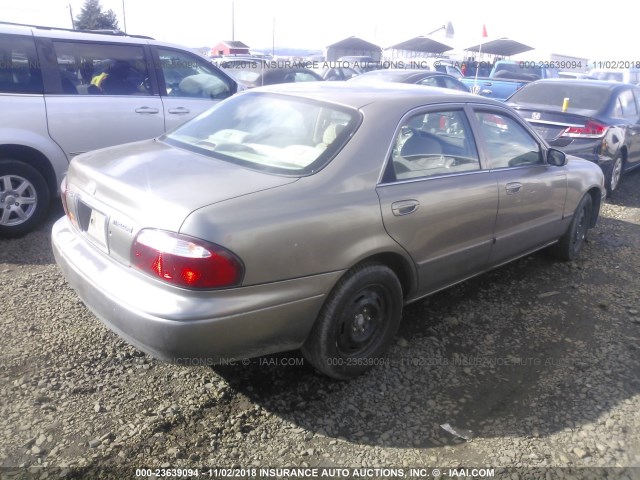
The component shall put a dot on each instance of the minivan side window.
(102, 69)
(508, 143)
(19, 67)
(187, 75)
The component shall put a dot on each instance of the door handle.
(147, 110)
(179, 111)
(404, 207)
(513, 188)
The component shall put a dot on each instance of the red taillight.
(590, 130)
(495, 121)
(185, 261)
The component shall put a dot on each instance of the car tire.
(614, 177)
(357, 322)
(24, 198)
(570, 244)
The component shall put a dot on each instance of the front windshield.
(277, 133)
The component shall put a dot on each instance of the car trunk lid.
(150, 184)
(551, 124)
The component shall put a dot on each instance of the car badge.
(535, 115)
(91, 187)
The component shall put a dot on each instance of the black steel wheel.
(357, 322)
(571, 242)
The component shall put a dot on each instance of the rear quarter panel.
(582, 176)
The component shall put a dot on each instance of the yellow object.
(98, 79)
(565, 104)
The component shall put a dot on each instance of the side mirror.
(556, 158)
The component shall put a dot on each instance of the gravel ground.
(538, 363)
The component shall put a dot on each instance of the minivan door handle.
(513, 188)
(147, 110)
(404, 207)
(179, 111)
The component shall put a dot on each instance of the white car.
(64, 92)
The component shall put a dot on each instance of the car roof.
(578, 82)
(99, 36)
(401, 74)
(357, 95)
(406, 71)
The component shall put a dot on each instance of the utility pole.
(124, 18)
(73, 24)
(233, 20)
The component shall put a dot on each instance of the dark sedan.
(595, 120)
(418, 77)
(256, 75)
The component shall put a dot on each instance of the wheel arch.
(624, 153)
(400, 266)
(596, 202)
(35, 159)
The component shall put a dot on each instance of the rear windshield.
(270, 132)
(586, 98)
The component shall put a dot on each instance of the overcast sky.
(551, 26)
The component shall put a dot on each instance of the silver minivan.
(65, 92)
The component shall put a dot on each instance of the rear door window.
(430, 82)
(19, 67)
(452, 84)
(508, 144)
(627, 105)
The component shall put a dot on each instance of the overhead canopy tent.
(423, 45)
(353, 46)
(503, 47)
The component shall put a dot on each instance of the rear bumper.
(183, 326)
(591, 151)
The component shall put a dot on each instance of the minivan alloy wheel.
(18, 200)
(24, 198)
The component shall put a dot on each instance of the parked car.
(241, 63)
(307, 215)
(507, 77)
(629, 75)
(336, 73)
(601, 121)
(442, 65)
(66, 92)
(419, 77)
(359, 63)
(576, 75)
(258, 76)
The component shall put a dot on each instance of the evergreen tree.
(93, 18)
